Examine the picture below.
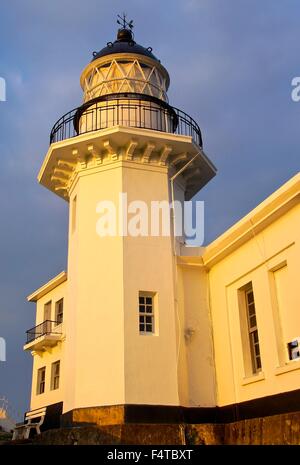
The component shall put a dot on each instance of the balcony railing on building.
(133, 110)
(46, 334)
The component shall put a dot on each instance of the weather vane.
(123, 22)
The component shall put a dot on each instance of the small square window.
(146, 313)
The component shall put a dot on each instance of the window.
(55, 373)
(47, 311)
(59, 311)
(252, 330)
(146, 313)
(74, 212)
(41, 377)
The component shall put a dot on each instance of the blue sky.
(231, 65)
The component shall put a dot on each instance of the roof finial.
(123, 22)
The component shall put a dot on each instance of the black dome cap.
(124, 44)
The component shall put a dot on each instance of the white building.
(147, 329)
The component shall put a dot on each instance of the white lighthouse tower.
(106, 340)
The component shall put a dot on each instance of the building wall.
(95, 330)
(196, 371)
(150, 359)
(256, 261)
(105, 275)
(47, 357)
(198, 356)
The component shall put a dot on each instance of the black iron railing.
(47, 327)
(133, 110)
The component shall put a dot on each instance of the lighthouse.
(145, 338)
(109, 341)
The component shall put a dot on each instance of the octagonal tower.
(120, 339)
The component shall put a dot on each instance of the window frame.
(48, 305)
(74, 213)
(57, 303)
(41, 380)
(253, 336)
(145, 314)
(55, 377)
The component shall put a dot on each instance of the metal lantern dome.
(125, 85)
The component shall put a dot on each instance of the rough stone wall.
(140, 434)
(205, 434)
(111, 415)
(272, 430)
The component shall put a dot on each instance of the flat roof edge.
(47, 287)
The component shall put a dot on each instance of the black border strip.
(261, 407)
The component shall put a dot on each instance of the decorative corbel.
(79, 157)
(147, 152)
(95, 154)
(112, 151)
(164, 154)
(130, 149)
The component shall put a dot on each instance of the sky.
(231, 65)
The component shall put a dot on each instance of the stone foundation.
(137, 434)
(272, 430)
(100, 416)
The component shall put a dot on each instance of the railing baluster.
(44, 328)
(138, 111)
